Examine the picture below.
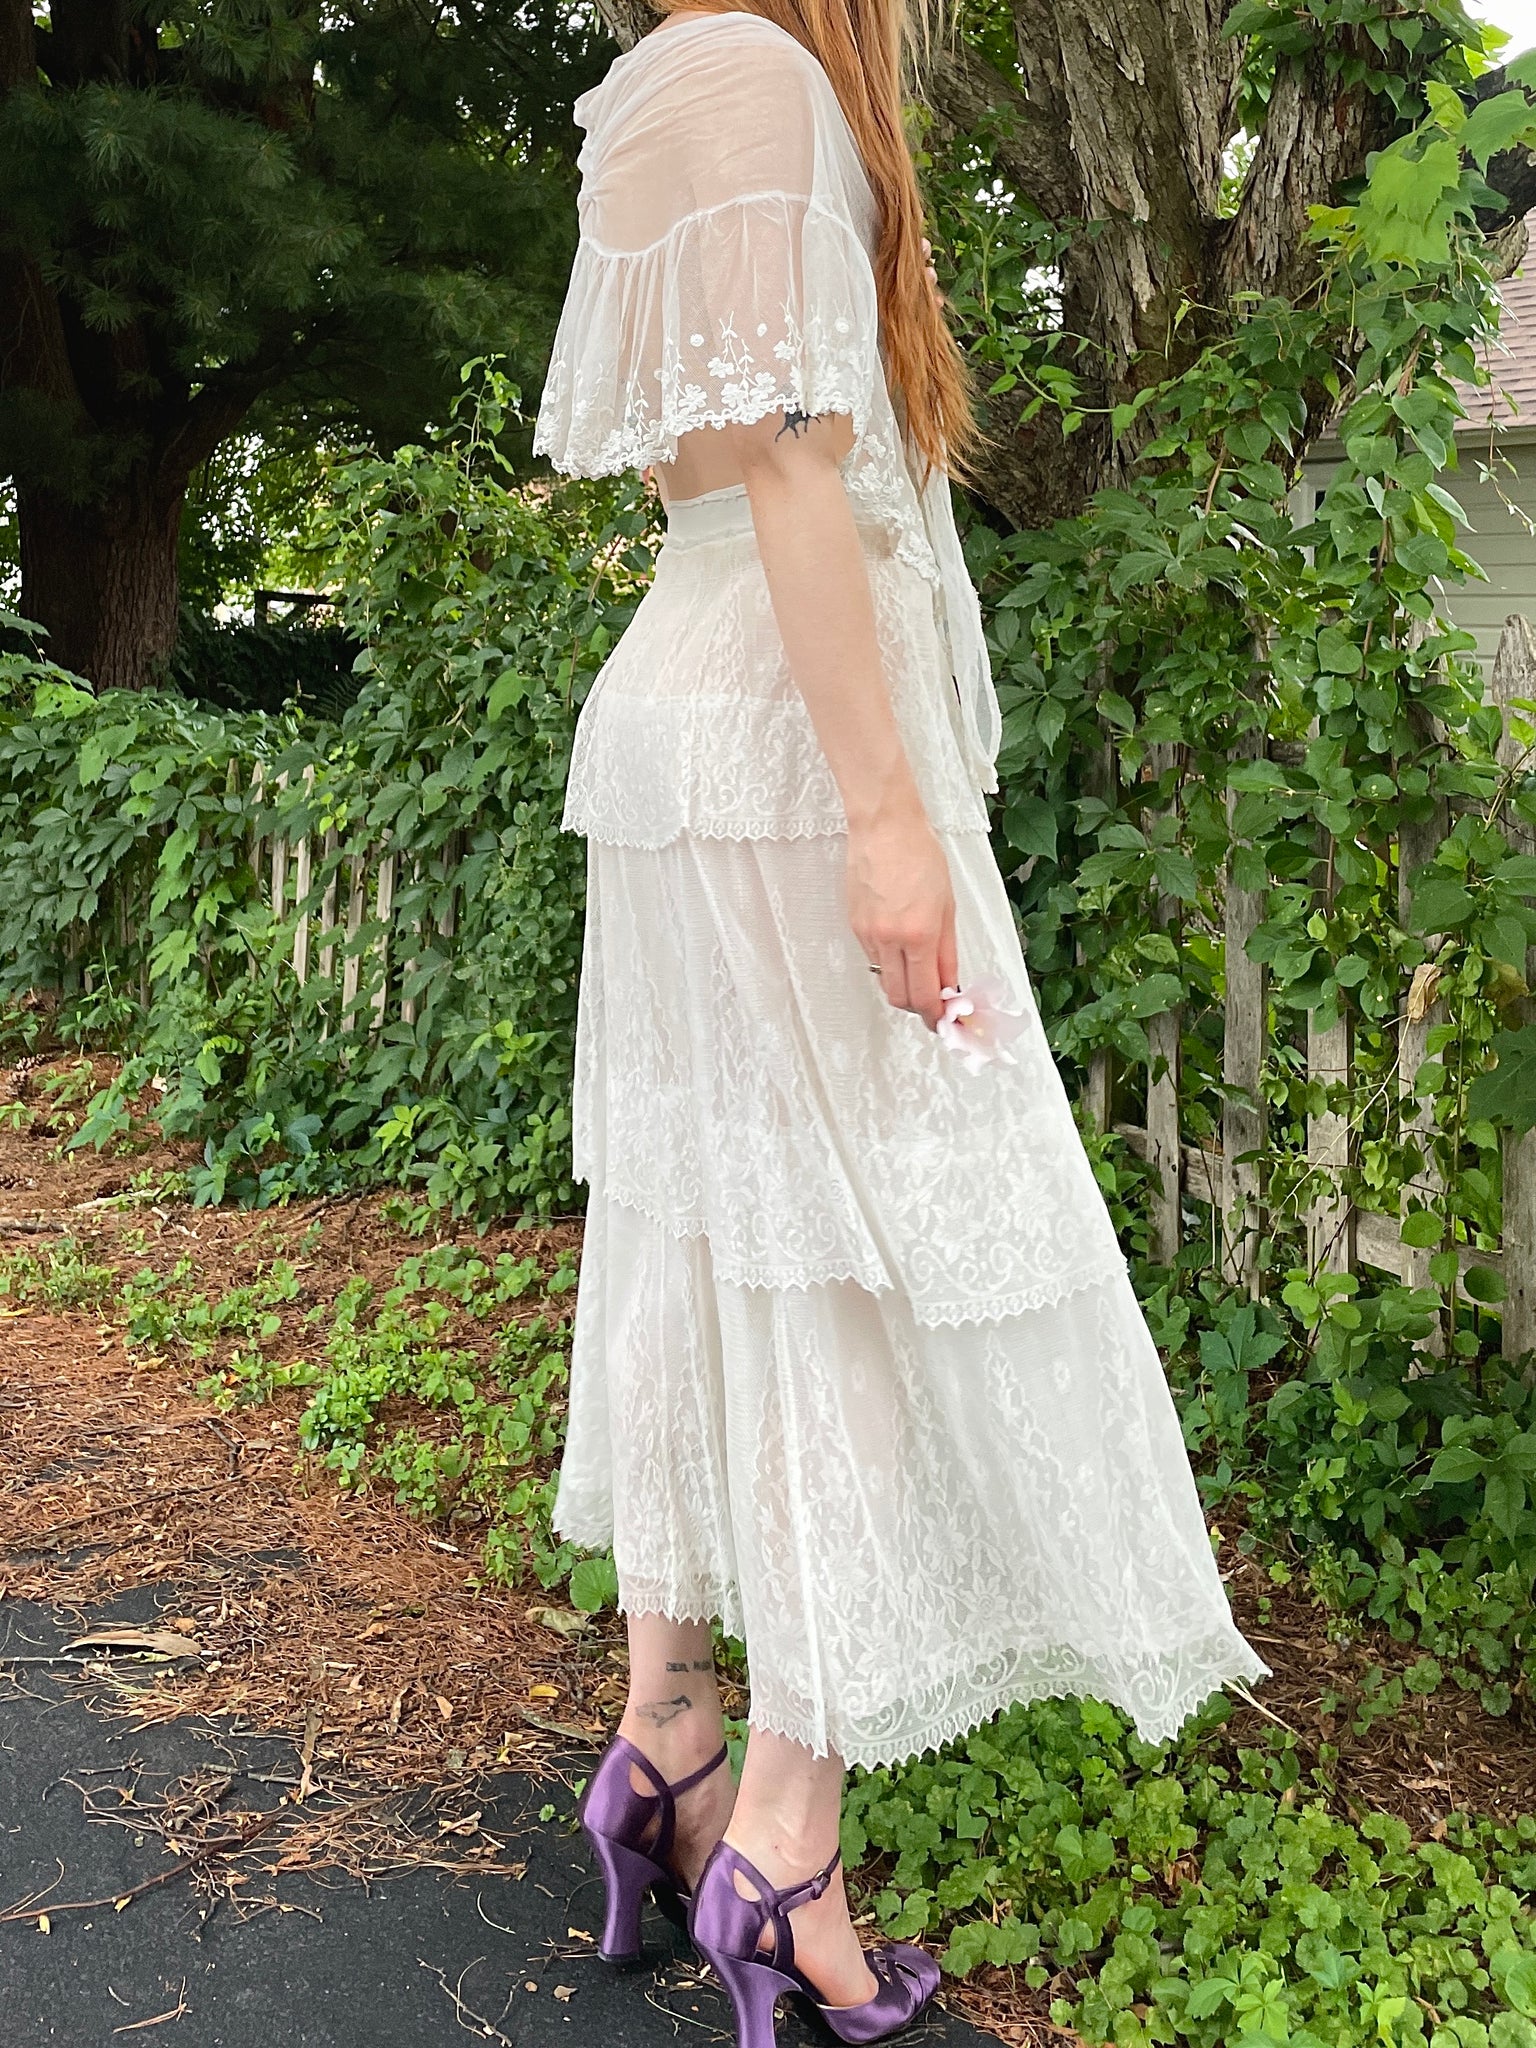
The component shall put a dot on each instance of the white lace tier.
(695, 724)
(911, 1528)
(740, 1078)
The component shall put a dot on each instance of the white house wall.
(1497, 538)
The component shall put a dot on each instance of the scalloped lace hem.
(874, 1279)
(911, 1727)
(636, 448)
(1239, 1665)
(586, 820)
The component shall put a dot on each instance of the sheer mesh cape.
(723, 276)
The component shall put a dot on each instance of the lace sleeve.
(723, 273)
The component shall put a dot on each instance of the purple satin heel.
(727, 1931)
(617, 1820)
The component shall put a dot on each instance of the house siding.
(1497, 538)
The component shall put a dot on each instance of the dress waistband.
(725, 514)
(713, 515)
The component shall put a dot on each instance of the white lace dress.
(858, 1368)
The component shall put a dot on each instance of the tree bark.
(101, 580)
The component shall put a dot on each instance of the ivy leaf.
(1156, 995)
(1504, 1502)
(1337, 653)
(1498, 124)
(1505, 939)
(1506, 1095)
(1439, 905)
(1030, 825)
(1456, 1467)
(1175, 873)
(1423, 1228)
(1248, 17)
(1483, 1283)
(1404, 211)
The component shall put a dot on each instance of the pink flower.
(974, 1027)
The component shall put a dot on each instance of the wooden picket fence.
(1227, 1177)
(359, 984)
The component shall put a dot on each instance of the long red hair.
(862, 45)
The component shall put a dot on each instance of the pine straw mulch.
(368, 1638)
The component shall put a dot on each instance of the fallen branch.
(123, 1507)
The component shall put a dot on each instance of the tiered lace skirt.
(858, 1369)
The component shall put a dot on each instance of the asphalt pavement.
(296, 1958)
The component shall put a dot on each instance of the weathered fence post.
(1331, 1216)
(350, 964)
(1164, 1155)
(408, 969)
(301, 885)
(1243, 1110)
(1099, 778)
(1514, 676)
(279, 866)
(384, 910)
(258, 778)
(1416, 844)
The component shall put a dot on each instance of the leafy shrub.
(266, 667)
(1188, 1899)
(126, 824)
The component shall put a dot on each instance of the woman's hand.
(901, 905)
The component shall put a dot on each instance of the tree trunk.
(101, 580)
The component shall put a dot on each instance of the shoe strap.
(665, 1794)
(808, 1887)
(721, 1755)
(778, 1902)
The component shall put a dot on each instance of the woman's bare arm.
(900, 901)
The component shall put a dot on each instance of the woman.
(857, 1369)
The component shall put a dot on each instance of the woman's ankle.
(676, 1736)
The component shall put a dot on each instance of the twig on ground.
(160, 2018)
(123, 1507)
(225, 1845)
(487, 2029)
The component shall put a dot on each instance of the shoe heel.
(627, 1876)
(754, 1989)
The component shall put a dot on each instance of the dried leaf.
(563, 1620)
(543, 1692)
(444, 1707)
(44, 1924)
(1423, 989)
(157, 1642)
(565, 1992)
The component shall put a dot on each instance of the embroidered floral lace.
(857, 1366)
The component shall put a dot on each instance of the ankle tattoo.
(698, 1664)
(660, 1712)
